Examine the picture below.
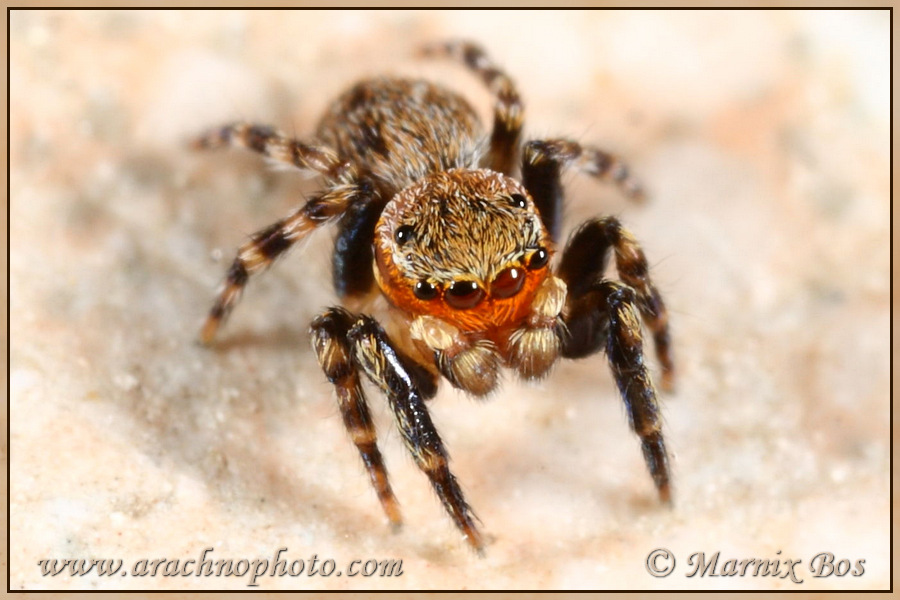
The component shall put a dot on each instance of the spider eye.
(425, 291)
(518, 200)
(508, 283)
(404, 234)
(539, 258)
(464, 294)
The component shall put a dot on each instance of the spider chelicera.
(429, 215)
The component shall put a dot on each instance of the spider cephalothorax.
(428, 212)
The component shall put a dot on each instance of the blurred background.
(763, 139)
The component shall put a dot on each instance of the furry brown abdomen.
(400, 130)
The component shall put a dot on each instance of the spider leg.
(508, 108)
(351, 270)
(543, 162)
(389, 370)
(583, 264)
(269, 243)
(276, 146)
(329, 339)
(610, 313)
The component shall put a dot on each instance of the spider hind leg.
(277, 147)
(508, 108)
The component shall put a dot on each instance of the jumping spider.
(428, 211)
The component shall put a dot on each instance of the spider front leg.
(328, 333)
(390, 371)
(606, 316)
(508, 109)
(583, 264)
(587, 252)
(268, 244)
(543, 162)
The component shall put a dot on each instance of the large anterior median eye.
(508, 282)
(463, 294)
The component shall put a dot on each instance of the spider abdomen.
(399, 130)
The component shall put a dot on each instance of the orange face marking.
(465, 246)
(492, 312)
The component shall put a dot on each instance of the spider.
(429, 214)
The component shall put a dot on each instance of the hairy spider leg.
(586, 254)
(543, 162)
(278, 147)
(267, 244)
(585, 260)
(508, 108)
(351, 262)
(617, 307)
(328, 334)
(387, 368)
(604, 315)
